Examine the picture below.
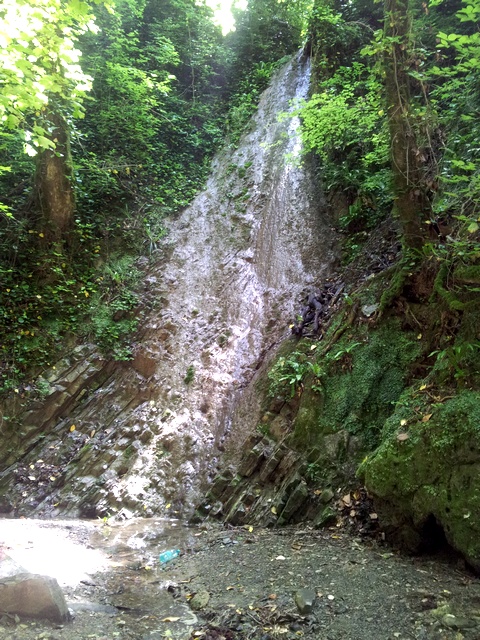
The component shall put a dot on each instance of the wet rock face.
(146, 435)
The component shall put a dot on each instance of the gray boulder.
(33, 596)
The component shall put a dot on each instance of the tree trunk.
(54, 184)
(411, 206)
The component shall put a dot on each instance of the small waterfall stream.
(145, 435)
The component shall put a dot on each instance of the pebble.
(458, 622)
(199, 600)
(304, 599)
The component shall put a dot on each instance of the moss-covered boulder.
(364, 375)
(427, 470)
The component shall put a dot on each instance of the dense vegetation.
(110, 115)
(112, 111)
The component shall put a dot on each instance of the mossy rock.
(365, 375)
(431, 472)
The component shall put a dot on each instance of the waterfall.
(221, 294)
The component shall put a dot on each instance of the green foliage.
(365, 380)
(155, 84)
(141, 151)
(39, 64)
(346, 119)
(266, 32)
(244, 102)
(190, 375)
(313, 472)
(345, 125)
(456, 97)
(460, 361)
(112, 309)
(287, 374)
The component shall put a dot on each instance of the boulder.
(33, 596)
(425, 476)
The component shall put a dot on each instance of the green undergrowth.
(48, 303)
(362, 378)
(244, 102)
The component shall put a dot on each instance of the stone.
(335, 445)
(305, 599)
(286, 465)
(219, 485)
(369, 309)
(8, 566)
(325, 517)
(200, 600)
(458, 622)
(144, 364)
(252, 461)
(237, 514)
(295, 502)
(437, 471)
(326, 495)
(279, 427)
(33, 596)
(268, 469)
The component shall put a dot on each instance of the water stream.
(145, 436)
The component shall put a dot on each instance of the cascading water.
(145, 435)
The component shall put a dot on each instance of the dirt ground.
(237, 584)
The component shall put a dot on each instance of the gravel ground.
(236, 584)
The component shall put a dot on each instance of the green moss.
(445, 294)
(435, 471)
(306, 432)
(361, 385)
(467, 273)
(398, 281)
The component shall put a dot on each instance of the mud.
(237, 584)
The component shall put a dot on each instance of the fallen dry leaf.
(427, 417)
(170, 619)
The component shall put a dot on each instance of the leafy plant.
(287, 374)
(344, 123)
(190, 375)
